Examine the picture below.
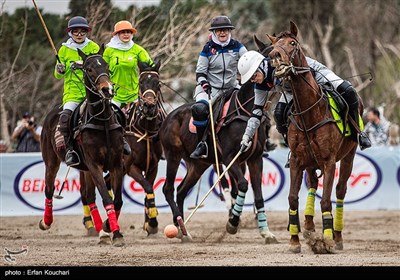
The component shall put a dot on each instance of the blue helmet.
(77, 22)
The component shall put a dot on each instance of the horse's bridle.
(93, 82)
(154, 99)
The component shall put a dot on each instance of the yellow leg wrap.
(86, 210)
(150, 195)
(338, 223)
(152, 212)
(110, 192)
(86, 213)
(309, 211)
(328, 232)
(293, 229)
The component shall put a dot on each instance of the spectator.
(27, 134)
(3, 146)
(377, 129)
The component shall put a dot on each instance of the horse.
(316, 143)
(144, 120)
(178, 143)
(99, 142)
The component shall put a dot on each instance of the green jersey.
(74, 88)
(124, 71)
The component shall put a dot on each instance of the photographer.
(27, 135)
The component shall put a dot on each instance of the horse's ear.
(82, 54)
(293, 28)
(157, 65)
(261, 46)
(272, 38)
(142, 65)
(101, 50)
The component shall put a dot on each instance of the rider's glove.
(205, 85)
(245, 144)
(76, 65)
(60, 68)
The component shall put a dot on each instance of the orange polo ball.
(171, 231)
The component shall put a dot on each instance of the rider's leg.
(71, 156)
(200, 114)
(351, 97)
(122, 121)
(281, 124)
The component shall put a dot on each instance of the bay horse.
(178, 143)
(99, 142)
(144, 120)
(316, 143)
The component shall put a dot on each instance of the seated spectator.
(377, 129)
(27, 134)
(3, 146)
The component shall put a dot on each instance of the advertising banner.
(374, 184)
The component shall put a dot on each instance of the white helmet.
(248, 64)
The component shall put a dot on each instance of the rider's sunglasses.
(225, 30)
(77, 32)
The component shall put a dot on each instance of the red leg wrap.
(48, 211)
(98, 223)
(112, 217)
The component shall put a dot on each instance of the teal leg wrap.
(238, 208)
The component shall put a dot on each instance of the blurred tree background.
(358, 39)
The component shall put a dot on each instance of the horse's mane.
(286, 34)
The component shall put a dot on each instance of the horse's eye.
(293, 43)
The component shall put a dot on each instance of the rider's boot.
(200, 114)
(71, 156)
(350, 95)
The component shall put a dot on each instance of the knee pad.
(349, 94)
(200, 113)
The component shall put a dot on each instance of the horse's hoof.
(149, 229)
(187, 238)
(104, 238)
(321, 245)
(43, 226)
(91, 232)
(106, 226)
(295, 248)
(339, 245)
(269, 237)
(118, 239)
(231, 229)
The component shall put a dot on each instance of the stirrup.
(72, 158)
(364, 141)
(201, 151)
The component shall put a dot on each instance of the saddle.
(220, 110)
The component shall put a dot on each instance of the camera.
(30, 123)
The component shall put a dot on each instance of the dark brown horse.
(316, 143)
(99, 143)
(178, 143)
(144, 121)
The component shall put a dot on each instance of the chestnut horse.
(144, 121)
(99, 143)
(316, 143)
(178, 142)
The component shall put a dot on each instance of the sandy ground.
(370, 239)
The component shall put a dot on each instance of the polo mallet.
(47, 31)
(197, 197)
(179, 219)
(59, 196)
(221, 196)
